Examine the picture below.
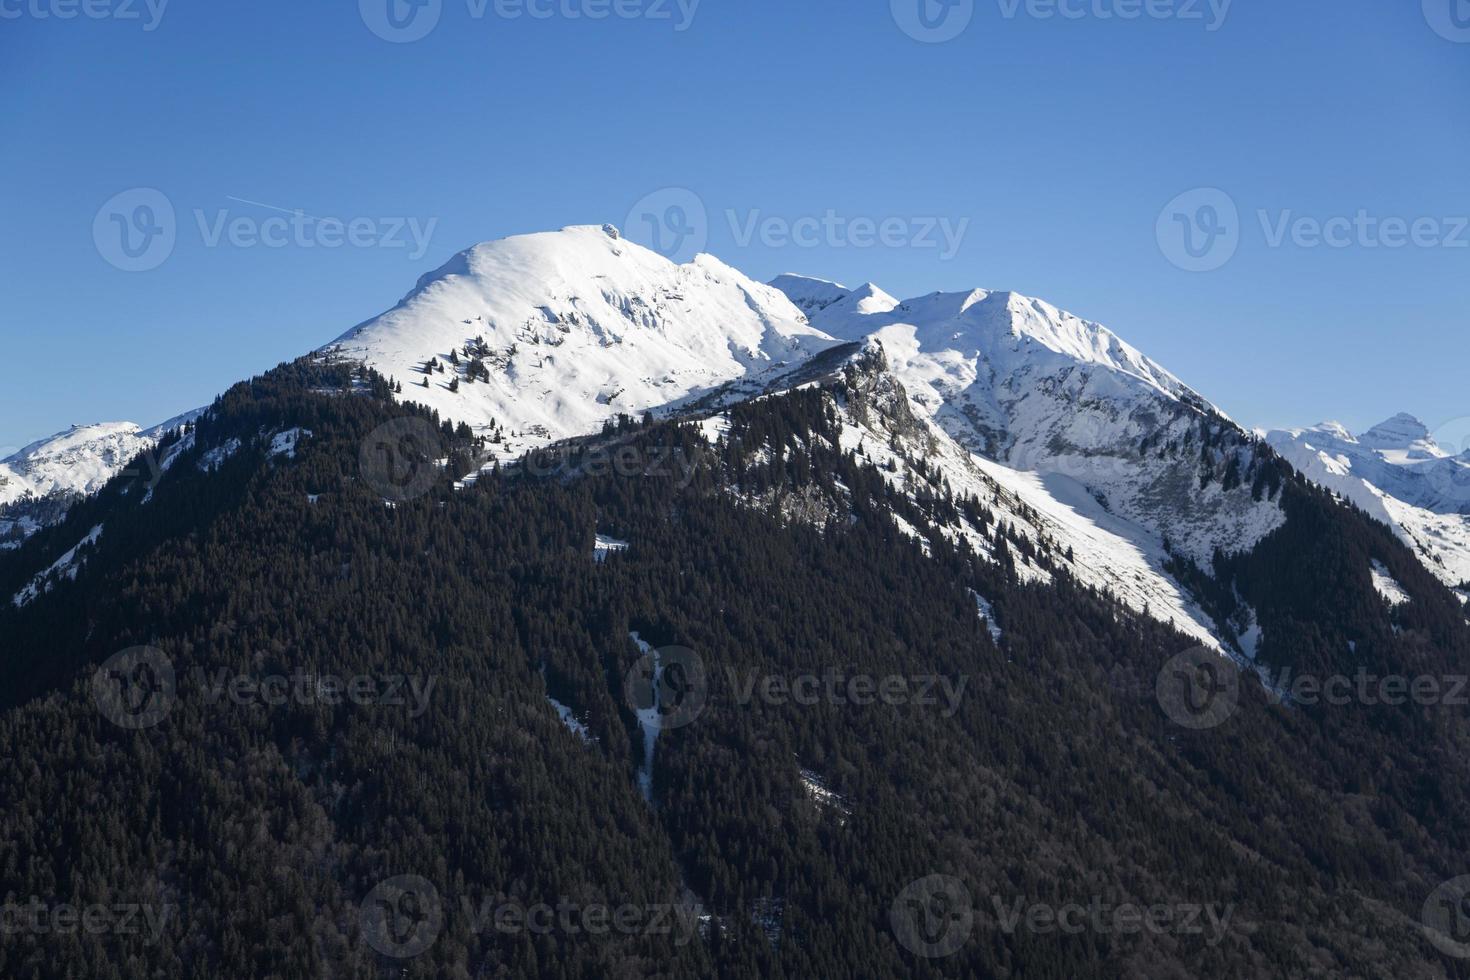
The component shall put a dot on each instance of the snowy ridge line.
(1399, 474)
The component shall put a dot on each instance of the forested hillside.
(410, 822)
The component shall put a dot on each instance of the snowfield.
(1398, 475)
(66, 566)
(1074, 438)
(80, 460)
(578, 327)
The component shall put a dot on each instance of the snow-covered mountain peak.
(1332, 430)
(1398, 474)
(1403, 434)
(808, 294)
(548, 335)
(1028, 385)
(79, 460)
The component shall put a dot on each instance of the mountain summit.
(576, 327)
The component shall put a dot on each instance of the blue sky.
(1061, 145)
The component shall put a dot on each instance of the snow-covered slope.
(1038, 390)
(79, 460)
(1399, 475)
(543, 337)
(574, 328)
(1053, 510)
(38, 484)
(1073, 435)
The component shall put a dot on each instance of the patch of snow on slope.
(284, 443)
(648, 720)
(67, 565)
(1387, 585)
(1111, 553)
(824, 798)
(604, 546)
(714, 428)
(570, 720)
(1250, 641)
(987, 613)
(216, 457)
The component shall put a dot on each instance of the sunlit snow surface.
(79, 460)
(1036, 412)
(1387, 586)
(66, 567)
(581, 326)
(1400, 476)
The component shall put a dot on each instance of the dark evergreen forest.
(267, 830)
